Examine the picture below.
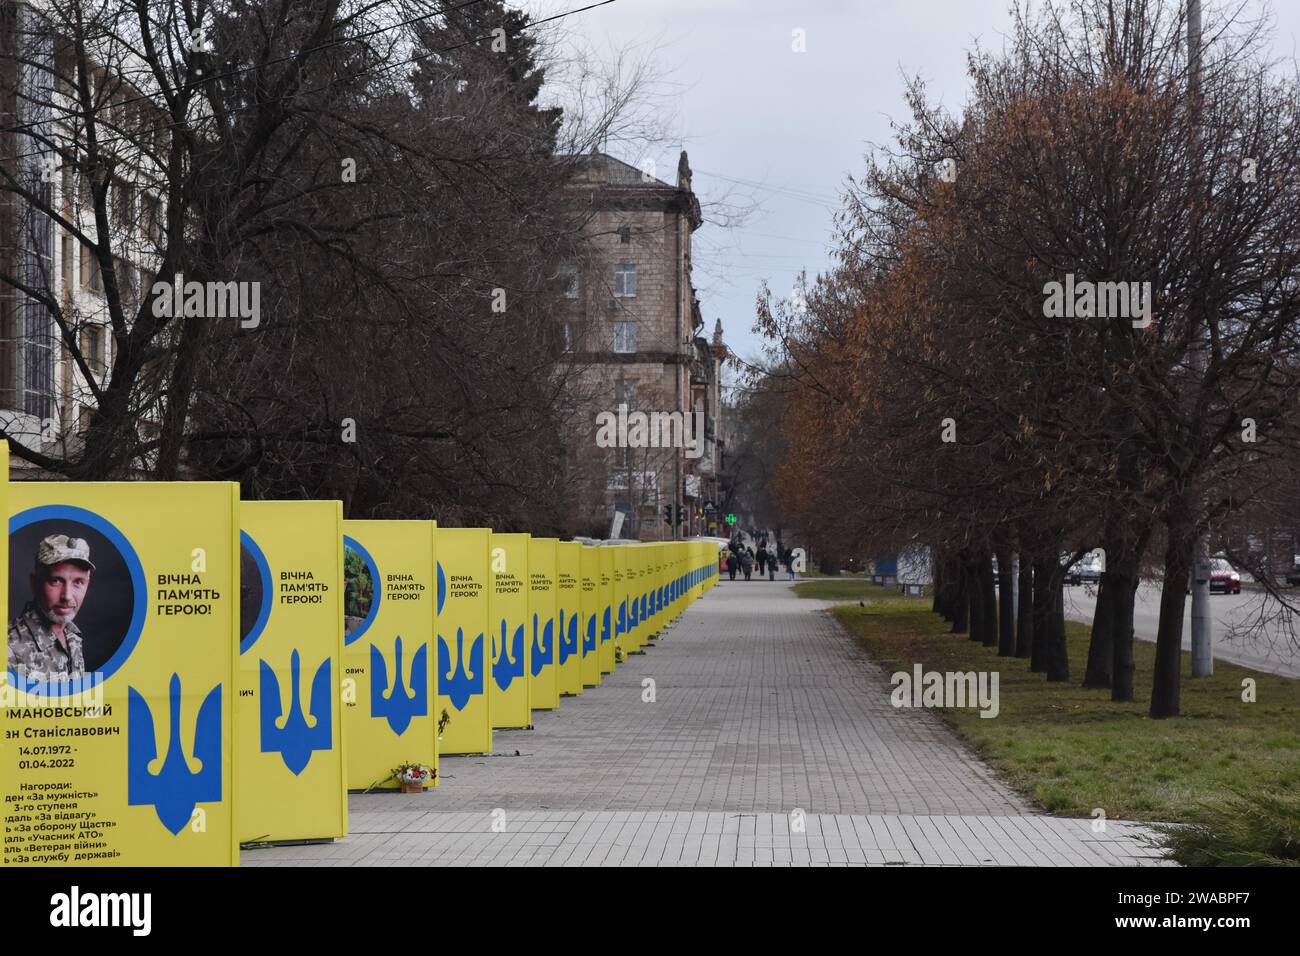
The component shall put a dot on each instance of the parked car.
(1223, 578)
(1087, 570)
(1293, 576)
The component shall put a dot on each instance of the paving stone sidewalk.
(763, 709)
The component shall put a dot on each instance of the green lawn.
(813, 572)
(845, 588)
(1073, 750)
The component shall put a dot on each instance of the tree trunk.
(989, 599)
(1025, 615)
(1101, 649)
(961, 599)
(1041, 613)
(936, 588)
(1125, 592)
(974, 588)
(1169, 634)
(1006, 606)
(1058, 657)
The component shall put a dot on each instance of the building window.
(123, 203)
(151, 216)
(625, 394)
(625, 235)
(625, 337)
(126, 290)
(68, 190)
(85, 419)
(68, 259)
(92, 348)
(91, 277)
(625, 282)
(570, 276)
(570, 337)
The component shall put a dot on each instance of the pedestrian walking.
(747, 562)
(762, 558)
(732, 562)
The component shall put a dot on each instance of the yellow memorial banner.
(672, 559)
(291, 783)
(511, 658)
(647, 592)
(589, 573)
(658, 579)
(568, 600)
(464, 658)
(636, 594)
(117, 726)
(608, 618)
(390, 700)
(544, 687)
(686, 565)
(622, 617)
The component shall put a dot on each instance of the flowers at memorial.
(414, 774)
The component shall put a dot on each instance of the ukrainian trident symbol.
(398, 707)
(461, 685)
(295, 741)
(543, 645)
(508, 666)
(568, 636)
(174, 790)
(589, 641)
(604, 625)
(464, 682)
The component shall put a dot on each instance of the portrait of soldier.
(44, 643)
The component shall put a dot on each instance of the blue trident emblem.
(568, 637)
(604, 625)
(543, 645)
(461, 685)
(174, 790)
(399, 706)
(589, 640)
(508, 666)
(295, 741)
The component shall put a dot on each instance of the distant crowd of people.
(743, 559)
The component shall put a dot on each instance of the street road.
(1239, 635)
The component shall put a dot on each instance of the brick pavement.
(763, 708)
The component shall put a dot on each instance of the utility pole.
(1202, 623)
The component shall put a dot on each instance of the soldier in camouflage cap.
(43, 641)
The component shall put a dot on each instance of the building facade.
(57, 339)
(645, 438)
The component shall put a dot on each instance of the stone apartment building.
(636, 337)
(46, 402)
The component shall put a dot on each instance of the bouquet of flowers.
(413, 776)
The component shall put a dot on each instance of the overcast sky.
(783, 129)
